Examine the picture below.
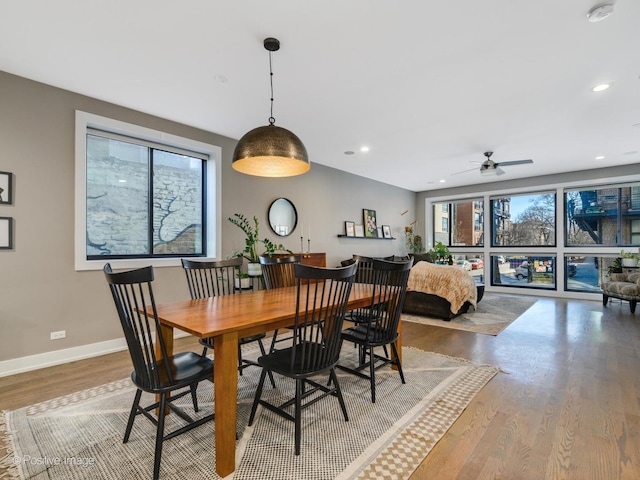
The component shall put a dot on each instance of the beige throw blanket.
(447, 281)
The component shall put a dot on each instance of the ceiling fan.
(489, 167)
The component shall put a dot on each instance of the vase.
(629, 262)
(243, 283)
(254, 269)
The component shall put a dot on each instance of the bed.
(440, 291)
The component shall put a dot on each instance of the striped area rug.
(80, 435)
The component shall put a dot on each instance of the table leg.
(225, 374)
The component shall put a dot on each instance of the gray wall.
(41, 292)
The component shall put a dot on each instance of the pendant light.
(271, 151)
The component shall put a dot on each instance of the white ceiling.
(428, 86)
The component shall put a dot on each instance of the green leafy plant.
(624, 254)
(253, 240)
(616, 266)
(413, 241)
(441, 252)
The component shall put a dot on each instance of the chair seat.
(279, 361)
(361, 334)
(186, 368)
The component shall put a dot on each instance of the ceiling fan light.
(488, 171)
(270, 151)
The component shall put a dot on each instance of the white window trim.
(214, 178)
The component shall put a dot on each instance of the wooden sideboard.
(314, 259)
(308, 258)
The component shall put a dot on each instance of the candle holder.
(308, 245)
(301, 244)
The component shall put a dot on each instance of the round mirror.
(282, 217)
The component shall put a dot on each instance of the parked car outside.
(522, 271)
(476, 263)
(464, 264)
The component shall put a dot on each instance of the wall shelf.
(365, 238)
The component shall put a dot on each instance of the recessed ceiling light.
(600, 157)
(122, 181)
(364, 148)
(349, 152)
(602, 87)
(442, 181)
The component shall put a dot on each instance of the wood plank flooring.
(566, 407)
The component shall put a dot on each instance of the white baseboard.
(66, 355)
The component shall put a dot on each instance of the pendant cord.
(271, 119)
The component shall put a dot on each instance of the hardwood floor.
(566, 407)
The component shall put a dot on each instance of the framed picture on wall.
(6, 195)
(369, 220)
(379, 232)
(6, 233)
(386, 231)
(359, 230)
(350, 229)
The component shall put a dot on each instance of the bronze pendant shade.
(271, 151)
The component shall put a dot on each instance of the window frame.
(213, 180)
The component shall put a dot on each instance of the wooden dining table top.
(245, 313)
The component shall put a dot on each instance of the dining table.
(226, 319)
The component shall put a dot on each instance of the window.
(524, 220)
(525, 271)
(143, 195)
(603, 216)
(464, 223)
(445, 224)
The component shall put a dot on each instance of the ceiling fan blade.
(499, 171)
(465, 171)
(514, 162)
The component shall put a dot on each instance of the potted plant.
(440, 253)
(413, 241)
(242, 280)
(629, 259)
(252, 242)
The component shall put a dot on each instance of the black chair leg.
(262, 351)
(256, 400)
(298, 415)
(272, 348)
(204, 352)
(159, 437)
(397, 361)
(240, 369)
(372, 375)
(333, 377)
(194, 396)
(132, 415)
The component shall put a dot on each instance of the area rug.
(79, 436)
(495, 312)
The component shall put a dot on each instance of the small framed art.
(359, 230)
(6, 195)
(350, 229)
(386, 231)
(6, 233)
(379, 230)
(369, 219)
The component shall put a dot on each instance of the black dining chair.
(314, 349)
(133, 297)
(278, 272)
(389, 289)
(216, 278)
